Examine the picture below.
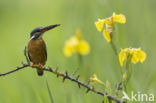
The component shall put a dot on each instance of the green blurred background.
(19, 17)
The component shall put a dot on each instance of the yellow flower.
(135, 54)
(76, 44)
(70, 46)
(122, 56)
(83, 47)
(138, 56)
(119, 18)
(107, 35)
(110, 21)
(99, 24)
(95, 79)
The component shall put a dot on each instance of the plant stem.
(116, 53)
(80, 60)
(114, 48)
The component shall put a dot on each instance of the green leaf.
(49, 92)
(105, 99)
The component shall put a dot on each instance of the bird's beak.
(44, 29)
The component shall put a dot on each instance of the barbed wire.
(65, 76)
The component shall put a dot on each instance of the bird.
(37, 51)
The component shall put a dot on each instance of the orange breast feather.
(37, 52)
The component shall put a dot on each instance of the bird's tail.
(39, 71)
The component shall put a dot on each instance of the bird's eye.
(38, 30)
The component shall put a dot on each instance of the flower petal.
(122, 56)
(99, 24)
(119, 18)
(109, 21)
(70, 46)
(83, 47)
(95, 80)
(142, 56)
(106, 35)
(138, 55)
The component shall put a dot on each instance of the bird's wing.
(45, 51)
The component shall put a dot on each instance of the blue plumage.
(35, 31)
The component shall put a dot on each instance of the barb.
(80, 83)
(65, 76)
(24, 65)
(14, 70)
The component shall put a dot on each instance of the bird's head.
(38, 32)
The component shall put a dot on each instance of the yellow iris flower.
(120, 18)
(76, 44)
(99, 24)
(136, 54)
(95, 79)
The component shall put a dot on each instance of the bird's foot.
(32, 65)
(39, 65)
(36, 65)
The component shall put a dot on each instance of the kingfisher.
(37, 51)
